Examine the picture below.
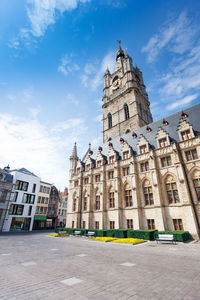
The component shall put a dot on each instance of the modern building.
(41, 211)
(6, 186)
(62, 208)
(145, 175)
(21, 209)
(52, 214)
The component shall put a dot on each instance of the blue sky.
(53, 54)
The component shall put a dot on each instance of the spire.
(107, 72)
(74, 152)
(120, 52)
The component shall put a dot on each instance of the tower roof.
(120, 52)
(74, 152)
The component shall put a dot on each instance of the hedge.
(141, 234)
(179, 236)
(60, 229)
(100, 233)
(110, 233)
(120, 233)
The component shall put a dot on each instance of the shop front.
(20, 224)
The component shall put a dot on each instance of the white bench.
(77, 232)
(90, 233)
(165, 238)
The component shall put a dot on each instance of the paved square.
(83, 269)
(71, 281)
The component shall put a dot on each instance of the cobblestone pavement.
(37, 266)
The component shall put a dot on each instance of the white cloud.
(176, 35)
(182, 103)
(107, 61)
(98, 118)
(66, 66)
(41, 14)
(39, 148)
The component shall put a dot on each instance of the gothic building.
(146, 174)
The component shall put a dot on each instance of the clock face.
(116, 83)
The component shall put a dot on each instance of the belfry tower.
(126, 106)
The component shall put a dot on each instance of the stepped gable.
(193, 117)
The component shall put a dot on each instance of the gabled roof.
(193, 118)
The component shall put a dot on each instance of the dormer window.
(165, 123)
(125, 154)
(78, 170)
(98, 163)
(134, 135)
(184, 115)
(163, 142)
(148, 129)
(111, 159)
(143, 149)
(186, 135)
(87, 167)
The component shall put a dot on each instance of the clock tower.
(126, 106)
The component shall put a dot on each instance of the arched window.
(109, 120)
(128, 196)
(126, 112)
(148, 194)
(172, 191)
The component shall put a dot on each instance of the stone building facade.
(146, 174)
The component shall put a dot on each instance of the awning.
(41, 218)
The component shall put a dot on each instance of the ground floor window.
(19, 224)
(112, 224)
(151, 223)
(178, 224)
(129, 223)
(84, 224)
(72, 224)
(97, 225)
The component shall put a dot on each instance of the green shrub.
(142, 234)
(100, 233)
(110, 233)
(179, 236)
(120, 233)
(130, 233)
(70, 230)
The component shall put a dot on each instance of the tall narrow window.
(128, 198)
(109, 120)
(178, 224)
(172, 193)
(112, 224)
(97, 225)
(111, 200)
(148, 195)
(97, 202)
(197, 187)
(85, 203)
(126, 112)
(151, 223)
(74, 204)
(84, 224)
